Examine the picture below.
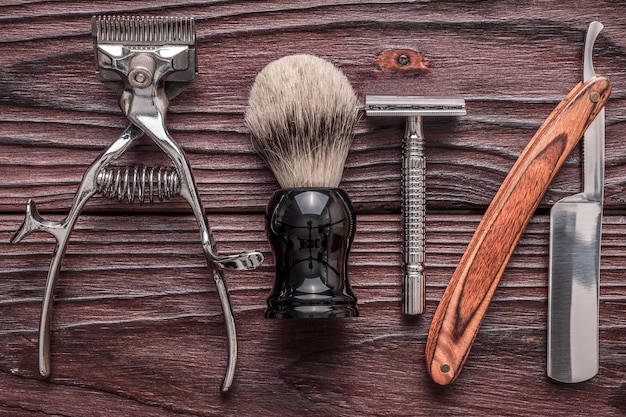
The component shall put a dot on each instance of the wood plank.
(461, 173)
(137, 326)
(60, 117)
(130, 312)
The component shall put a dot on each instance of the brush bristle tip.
(301, 114)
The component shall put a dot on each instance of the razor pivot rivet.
(594, 96)
(445, 368)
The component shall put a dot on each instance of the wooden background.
(137, 327)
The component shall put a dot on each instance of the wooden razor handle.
(465, 300)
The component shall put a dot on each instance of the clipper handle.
(413, 217)
(311, 231)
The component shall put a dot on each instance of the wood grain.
(52, 115)
(407, 60)
(137, 328)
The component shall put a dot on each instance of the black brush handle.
(311, 232)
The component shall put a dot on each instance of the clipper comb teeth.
(142, 30)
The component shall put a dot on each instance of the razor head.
(144, 51)
(406, 106)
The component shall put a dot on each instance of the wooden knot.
(393, 60)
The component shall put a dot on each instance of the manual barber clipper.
(150, 60)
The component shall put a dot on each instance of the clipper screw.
(141, 70)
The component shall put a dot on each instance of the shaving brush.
(301, 113)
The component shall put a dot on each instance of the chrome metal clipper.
(413, 108)
(150, 60)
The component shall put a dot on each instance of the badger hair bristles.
(301, 114)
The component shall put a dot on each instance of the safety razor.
(149, 60)
(413, 109)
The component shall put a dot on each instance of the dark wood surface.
(137, 327)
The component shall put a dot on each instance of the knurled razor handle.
(413, 217)
(465, 301)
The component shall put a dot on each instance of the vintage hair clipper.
(150, 60)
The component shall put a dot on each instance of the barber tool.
(149, 60)
(574, 278)
(414, 109)
(301, 113)
(465, 300)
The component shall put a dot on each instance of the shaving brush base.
(311, 231)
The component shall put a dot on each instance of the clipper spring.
(138, 182)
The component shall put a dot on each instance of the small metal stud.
(404, 59)
(594, 96)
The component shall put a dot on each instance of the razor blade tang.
(413, 217)
(594, 137)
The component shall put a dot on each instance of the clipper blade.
(158, 48)
(144, 30)
(405, 106)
